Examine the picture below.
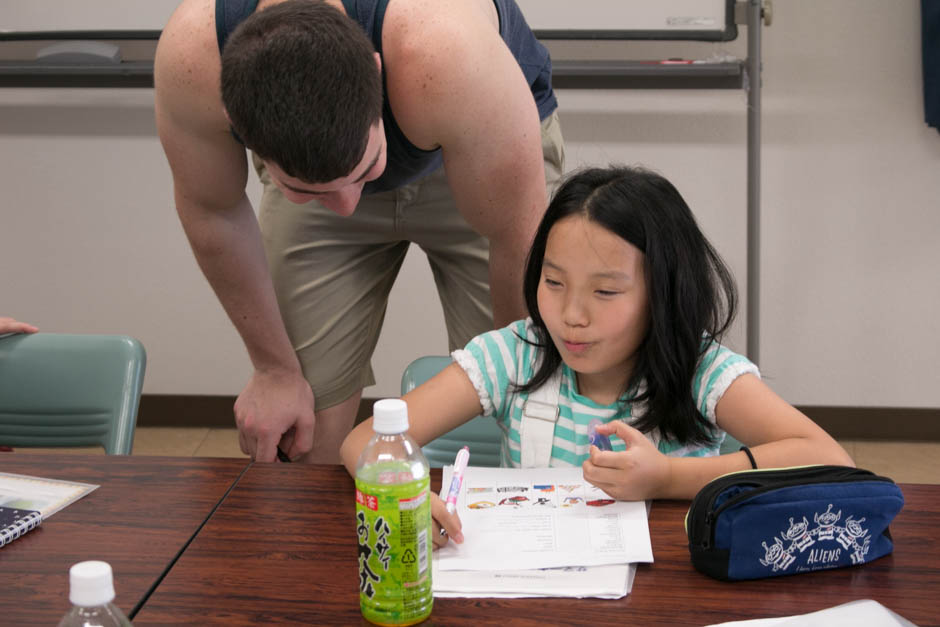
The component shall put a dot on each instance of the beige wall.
(89, 240)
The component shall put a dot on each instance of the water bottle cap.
(91, 584)
(390, 415)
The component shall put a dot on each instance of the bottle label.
(393, 524)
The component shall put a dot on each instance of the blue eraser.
(597, 439)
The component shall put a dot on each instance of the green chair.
(730, 445)
(481, 434)
(60, 390)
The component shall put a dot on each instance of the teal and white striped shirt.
(497, 361)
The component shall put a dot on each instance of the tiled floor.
(905, 462)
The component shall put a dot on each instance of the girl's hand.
(442, 519)
(639, 473)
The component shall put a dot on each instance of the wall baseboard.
(848, 423)
(186, 410)
(877, 423)
(191, 410)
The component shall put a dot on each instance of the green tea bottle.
(393, 522)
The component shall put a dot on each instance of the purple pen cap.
(597, 439)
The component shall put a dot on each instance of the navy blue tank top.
(406, 162)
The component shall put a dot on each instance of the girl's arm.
(444, 402)
(777, 433)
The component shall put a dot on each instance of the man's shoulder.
(431, 32)
(190, 118)
(189, 39)
(187, 66)
(438, 58)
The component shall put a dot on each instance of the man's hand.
(9, 325)
(274, 408)
(639, 473)
(442, 519)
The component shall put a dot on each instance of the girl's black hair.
(692, 295)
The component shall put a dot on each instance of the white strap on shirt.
(539, 416)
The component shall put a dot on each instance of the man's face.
(341, 196)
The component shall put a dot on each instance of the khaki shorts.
(332, 275)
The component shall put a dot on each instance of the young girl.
(628, 303)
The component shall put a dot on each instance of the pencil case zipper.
(756, 482)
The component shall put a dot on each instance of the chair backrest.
(729, 445)
(481, 434)
(70, 390)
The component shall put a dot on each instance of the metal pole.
(754, 20)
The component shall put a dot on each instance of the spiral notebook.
(16, 522)
(26, 501)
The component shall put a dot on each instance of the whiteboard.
(710, 20)
(87, 15)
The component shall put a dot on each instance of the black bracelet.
(750, 456)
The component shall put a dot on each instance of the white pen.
(460, 464)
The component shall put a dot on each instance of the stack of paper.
(540, 532)
(862, 612)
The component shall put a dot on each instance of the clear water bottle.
(91, 591)
(393, 522)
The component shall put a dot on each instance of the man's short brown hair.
(302, 88)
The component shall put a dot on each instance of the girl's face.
(592, 296)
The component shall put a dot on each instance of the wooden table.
(281, 549)
(141, 517)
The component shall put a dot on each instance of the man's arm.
(453, 83)
(209, 174)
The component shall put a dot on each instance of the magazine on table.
(26, 501)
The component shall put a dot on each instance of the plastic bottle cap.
(91, 584)
(390, 415)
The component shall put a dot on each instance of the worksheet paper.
(528, 518)
(604, 582)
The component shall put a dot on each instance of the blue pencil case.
(765, 523)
